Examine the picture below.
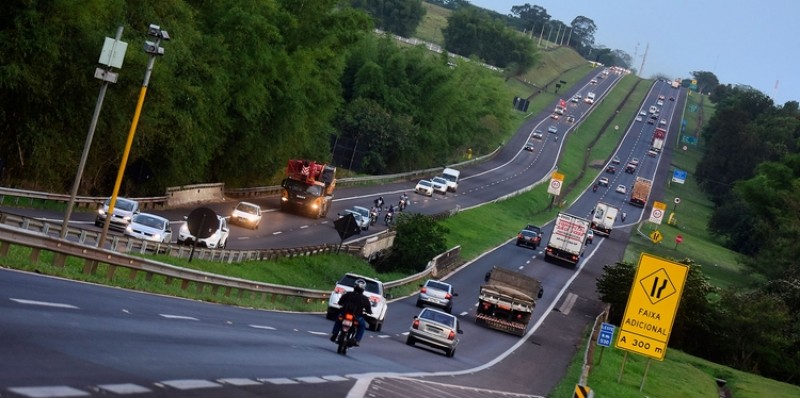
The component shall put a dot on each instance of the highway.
(95, 339)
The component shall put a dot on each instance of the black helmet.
(359, 286)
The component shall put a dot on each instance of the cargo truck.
(603, 218)
(568, 239)
(506, 301)
(658, 139)
(640, 191)
(308, 188)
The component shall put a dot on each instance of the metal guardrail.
(17, 196)
(42, 236)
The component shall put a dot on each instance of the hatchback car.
(603, 181)
(246, 214)
(635, 161)
(439, 185)
(361, 215)
(149, 227)
(554, 116)
(436, 329)
(638, 118)
(529, 238)
(621, 189)
(528, 148)
(571, 118)
(436, 293)
(373, 291)
(611, 169)
(537, 134)
(424, 187)
(552, 129)
(615, 160)
(124, 210)
(217, 240)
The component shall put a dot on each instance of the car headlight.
(156, 236)
(129, 229)
(185, 229)
(101, 212)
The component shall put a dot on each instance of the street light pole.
(112, 55)
(153, 49)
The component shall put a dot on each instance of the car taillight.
(448, 296)
(452, 335)
(519, 236)
(338, 290)
(423, 290)
(415, 325)
(519, 316)
(374, 299)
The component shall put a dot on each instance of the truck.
(658, 139)
(506, 300)
(308, 187)
(451, 175)
(603, 218)
(640, 191)
(676, 83)
(568, 239)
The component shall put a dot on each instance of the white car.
(537, 134)
(124, 210)
(246, 214)
(361, 214)
(424, 187)
(217, 240)
(621, 189)
(439, 185)
(373, 291)
(149, 227)
(552, 129)
(638, 118)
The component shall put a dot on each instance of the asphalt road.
(95, 339)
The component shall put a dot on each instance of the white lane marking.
(318, 333)
(48, 392)
(281, 380)
(303, 226)
(463, 313)
(311, 380)
(277, 233)
(335, 378)
(190, 384)
(239, 382)
(126, 388)
(45, 303)
(567, 305)
(188, 318)
(262, 327)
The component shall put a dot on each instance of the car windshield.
(122, 204)
(438, 317)
(440, 180)
(372, 286)
(149, 221)
(361, 211)
(425, 183)
(247, 208)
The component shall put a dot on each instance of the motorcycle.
(594, 188)
(347, 333)
(388, 218)
(402, 204)
(373, 216)
(379, 204)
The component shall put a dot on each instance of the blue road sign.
(606, 335)
(679, 176)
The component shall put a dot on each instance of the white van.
(451, 175)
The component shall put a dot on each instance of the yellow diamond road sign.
(652, 304)
(656, 236)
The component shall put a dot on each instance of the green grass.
(679, 376)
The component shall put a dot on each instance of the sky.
(754, 43)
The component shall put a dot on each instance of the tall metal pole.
(153, 49)
(107, 76)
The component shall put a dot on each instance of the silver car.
(246, 214)
(150, 227)
(124, 210)
(436, 329)
(361, 215)
(436, 293)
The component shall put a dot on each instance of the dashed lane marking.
(262, 327)
(279, 381)
(187, 318)
(240, 382)
(45, 303)
(49, 392)
(190, 384)
(126, 388)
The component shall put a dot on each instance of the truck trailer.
(568, 239)
(640, 191)
(658, 139)
(506, 301)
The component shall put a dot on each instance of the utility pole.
(112, 56)
(154, 50)
(644, 58)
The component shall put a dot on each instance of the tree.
(529, 17)
(583, 30)
(706, 81)
(400, 17)
(419, 239)
(471, 31)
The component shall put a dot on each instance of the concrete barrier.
(192, 194)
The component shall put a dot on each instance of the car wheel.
(410, 341)
(449, 309)
(451, 352)
(378, 326)
(419, 303)
(222, 244)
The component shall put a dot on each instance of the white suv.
(373, 291)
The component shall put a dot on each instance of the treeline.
(242, 87)
(751, 171)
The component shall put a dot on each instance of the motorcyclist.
(356, 303)
(389, 215)
(379, 203)
(594, 188)
(373, 215)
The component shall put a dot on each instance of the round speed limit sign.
(657, 213)
(555, 184)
